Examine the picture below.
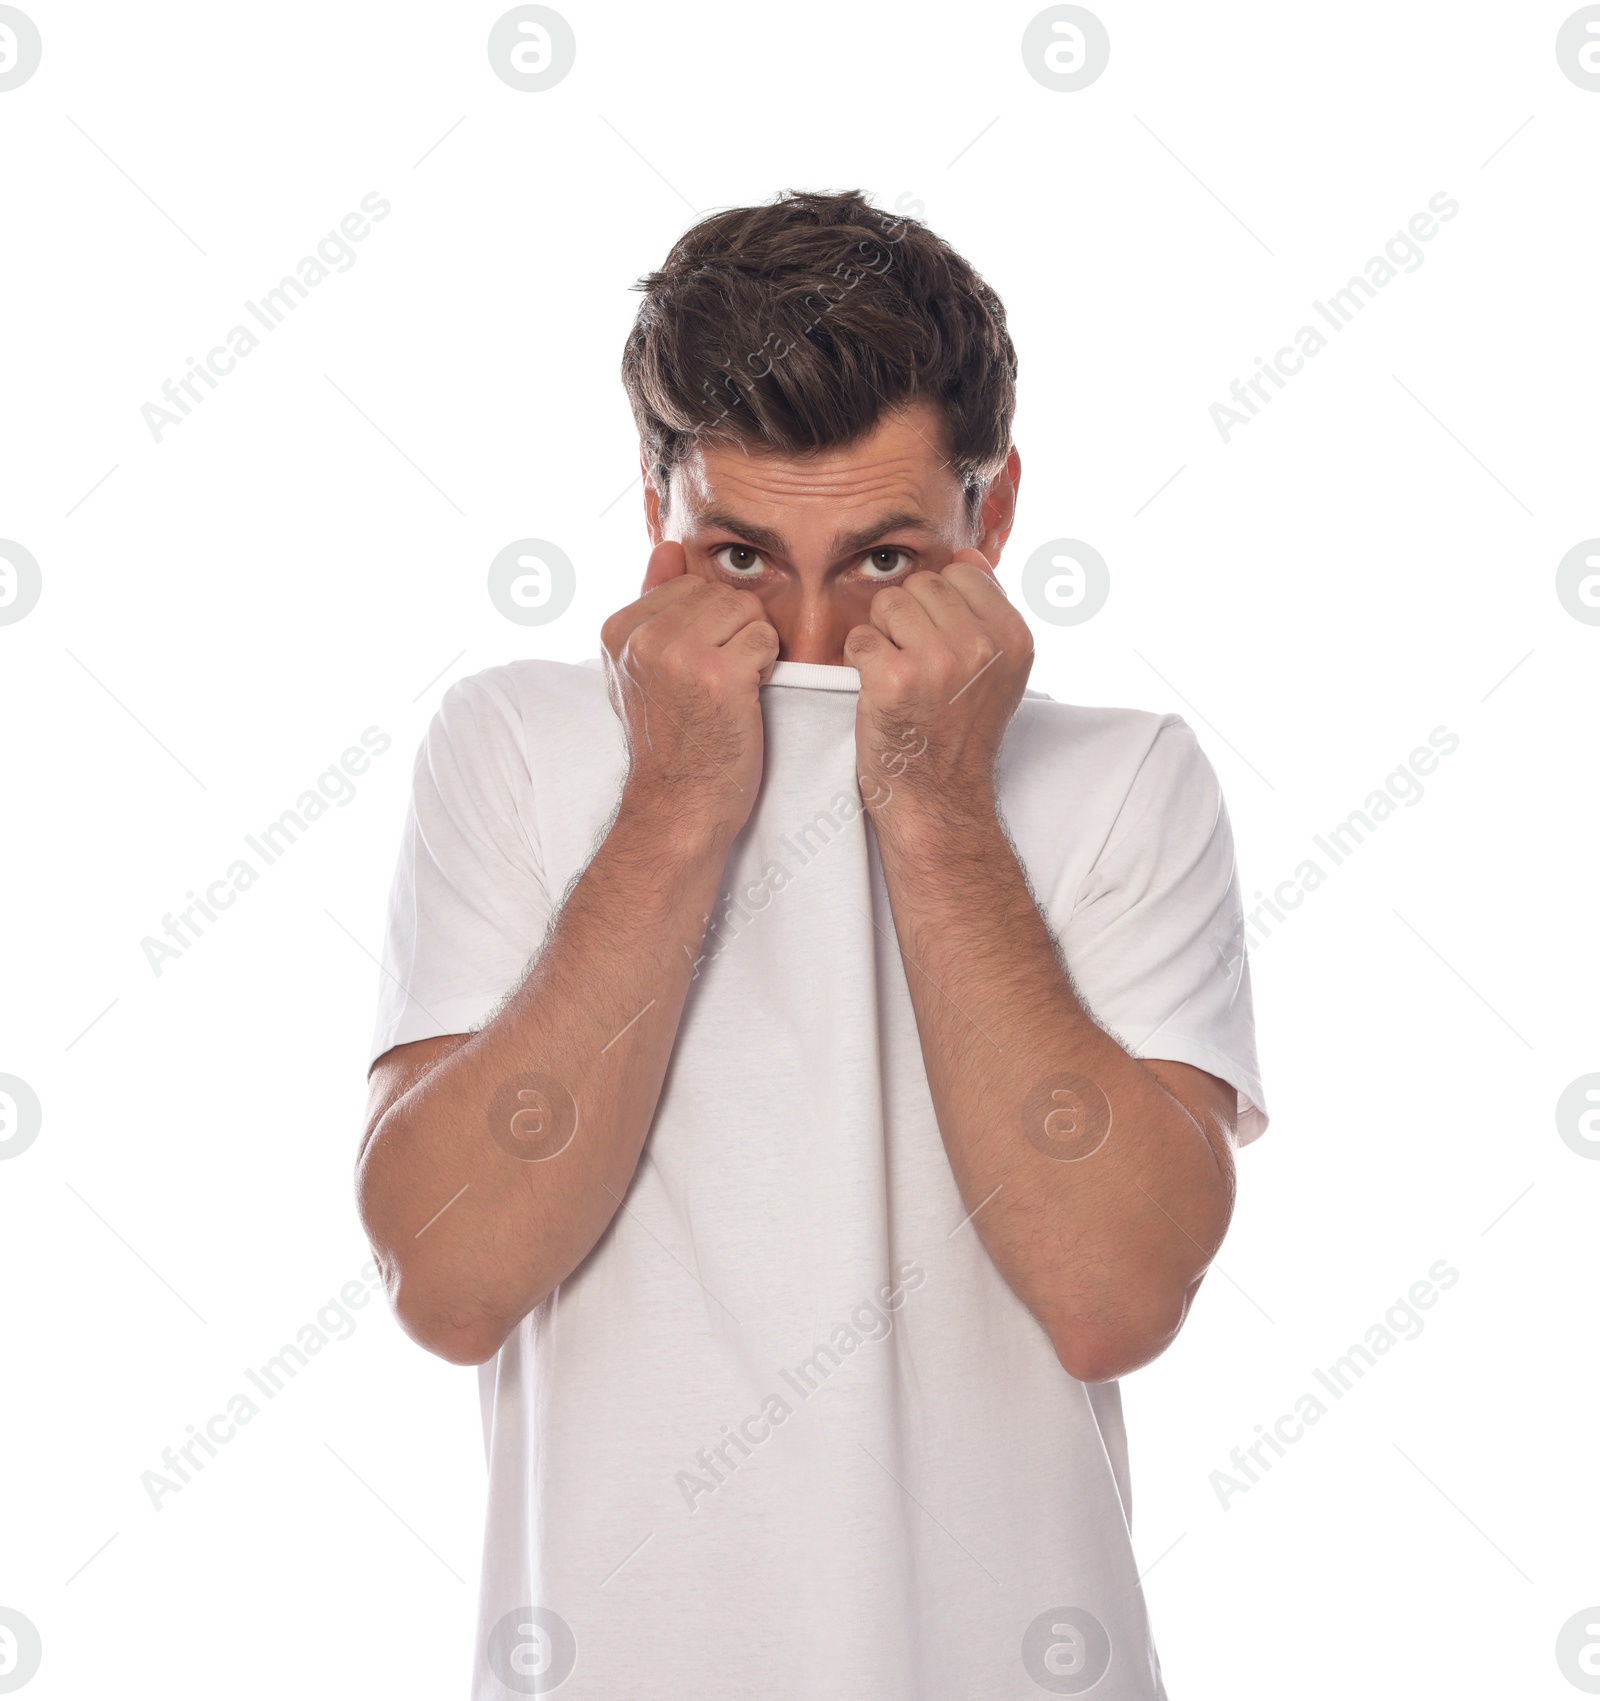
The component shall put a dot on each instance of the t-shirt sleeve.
(1155, 941)
(469, 904)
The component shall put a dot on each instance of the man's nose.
(816, 631)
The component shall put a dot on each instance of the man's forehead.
(900, 465)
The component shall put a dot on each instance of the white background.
(305, 557)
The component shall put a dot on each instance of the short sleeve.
(1155, 942)
(469, 904)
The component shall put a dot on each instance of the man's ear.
(998, 509)
(652, 504)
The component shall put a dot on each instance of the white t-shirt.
(787, 1431)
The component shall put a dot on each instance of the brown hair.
(797, 325)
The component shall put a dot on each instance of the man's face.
(817, 537)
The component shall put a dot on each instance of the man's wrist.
(919, 829)
(682, 830)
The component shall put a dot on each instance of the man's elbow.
(439, 1317)
(1100, 1353)
(454, 1336)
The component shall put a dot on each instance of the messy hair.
(797, 325)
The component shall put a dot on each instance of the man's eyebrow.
(906, 521)
(719, 519)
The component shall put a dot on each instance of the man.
(810, 1062)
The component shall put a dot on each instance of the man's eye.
(885, 563)
(736, 559)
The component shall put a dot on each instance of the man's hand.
(943, 664)
(684, 668)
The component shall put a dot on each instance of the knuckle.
(673, 656)
(899, 678)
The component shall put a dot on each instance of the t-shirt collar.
(815, 676)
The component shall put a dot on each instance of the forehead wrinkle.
(891, 473)
(767, 475)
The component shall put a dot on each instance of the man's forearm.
(490, 1180)
(1103, 1231)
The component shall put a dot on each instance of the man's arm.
(469, 1236)
(492, 1162)
(1101, 1186)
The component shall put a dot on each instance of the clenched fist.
(684, 670)
(944, 661)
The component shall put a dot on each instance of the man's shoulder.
(1083, 772)
(522, 718)
(1094, 735)
(528, 690)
